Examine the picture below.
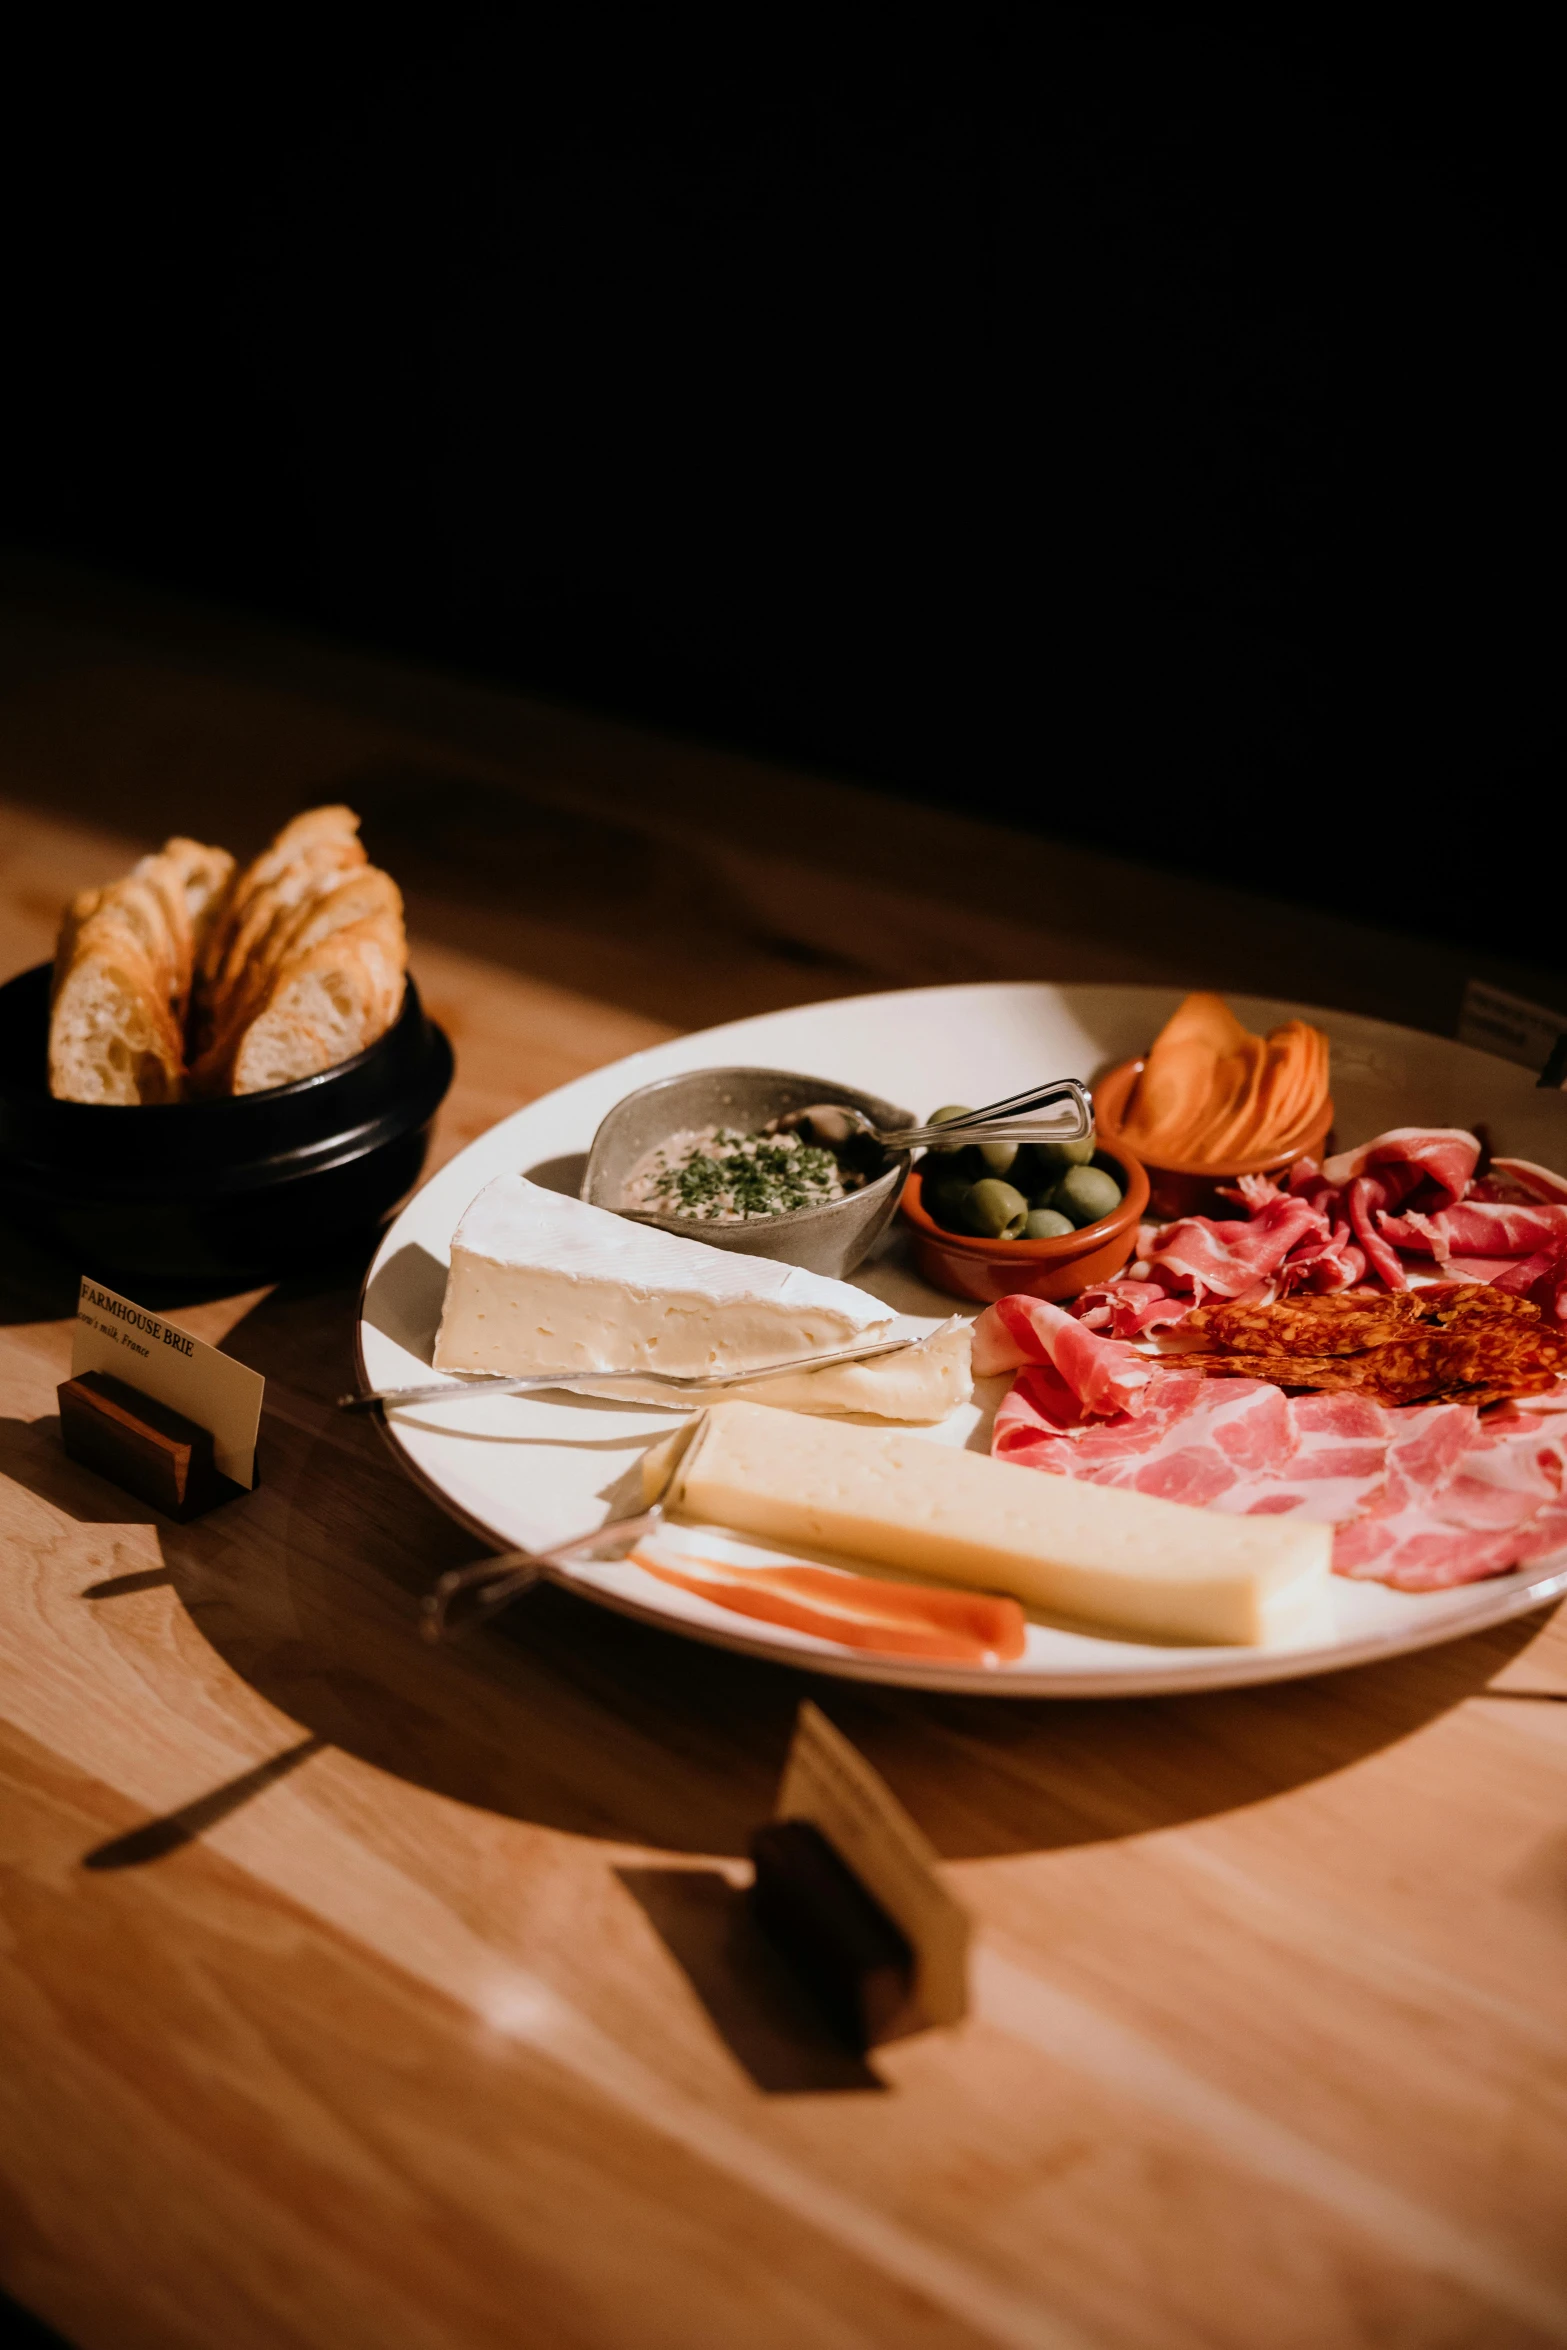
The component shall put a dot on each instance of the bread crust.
(267, 975)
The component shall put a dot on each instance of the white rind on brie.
(539, 1282)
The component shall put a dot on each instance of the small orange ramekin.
(965, 1265)
(1177, 1190)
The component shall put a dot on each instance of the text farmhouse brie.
(1096, 1552)
(539, 1282)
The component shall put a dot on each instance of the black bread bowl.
(250, 1187)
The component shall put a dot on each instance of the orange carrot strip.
(857, 1611)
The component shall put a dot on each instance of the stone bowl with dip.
(658, 1159)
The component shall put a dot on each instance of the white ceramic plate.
(524, 1472)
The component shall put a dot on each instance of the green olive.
(1046, 1224)
(998, 1156)
(1085, 1194)
(995, 1209)
(1066, 1154)
(944, 1199)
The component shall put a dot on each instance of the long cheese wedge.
(1156, 1569)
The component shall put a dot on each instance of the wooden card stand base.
(151, 1451)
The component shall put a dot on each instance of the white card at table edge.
(160, 1360)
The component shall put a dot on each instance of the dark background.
(1128, 425)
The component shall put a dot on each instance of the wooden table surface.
(356, 1995)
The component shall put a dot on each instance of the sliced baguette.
(318, 867)
(343, 899)
(112, 1038)
(205, 875)
(307, 854)
(136, 910)
(326, 1004)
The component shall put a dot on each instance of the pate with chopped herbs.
(716, 1175)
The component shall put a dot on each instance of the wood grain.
(354, 1995)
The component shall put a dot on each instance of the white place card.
(1530, 1034)
(162, 1361)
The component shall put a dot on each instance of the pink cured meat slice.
(1127, 1306)
(1480, 1228)
(1444, 1157)
(1323, 1265)
(1461, 1502)
(1230, 1258)
(1101, 1374)
(1409, 1190)
(1542, 1279)
(1520, 1179)
(1364, 1197)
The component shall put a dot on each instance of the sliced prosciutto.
(1479, 1228)
(1542, 1279)
(1520, 1179)
(1440, 1157)
(1393, 1210)
(1069, 1373)
(1421, 1498)
(1365, 1200)
(1228, 1258)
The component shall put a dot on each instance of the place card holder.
(850, 1892)
(129, 1408)
(153, 1452)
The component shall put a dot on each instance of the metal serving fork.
(465, 1596)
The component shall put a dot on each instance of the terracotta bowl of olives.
(1046, 1218)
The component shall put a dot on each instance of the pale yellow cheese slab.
(1159, 1570)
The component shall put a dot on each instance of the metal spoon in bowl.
(833, 1124)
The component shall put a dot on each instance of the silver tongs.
(1015, 1120)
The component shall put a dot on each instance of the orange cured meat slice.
(1210, 1093)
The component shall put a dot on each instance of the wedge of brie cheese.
(1158, 1570)
(539, 1282)
(925, 1383)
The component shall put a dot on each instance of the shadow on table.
(155, 1839)
(578, 1719)
(756, 2005)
